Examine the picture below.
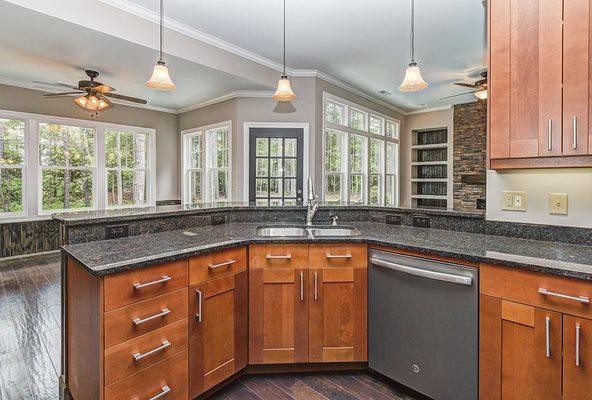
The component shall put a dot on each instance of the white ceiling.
(364, 43)
(52, 50)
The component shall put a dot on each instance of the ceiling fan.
(479, 88)
(94, 94)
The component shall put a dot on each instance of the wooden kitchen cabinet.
(577, 369)
(338, 320)
(538, 85)
(218, 329)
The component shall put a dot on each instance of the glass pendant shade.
(91, 102)
(284, 90)
(160, 79)
(413, 81)
(481, 94)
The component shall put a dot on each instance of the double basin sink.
(306, 231)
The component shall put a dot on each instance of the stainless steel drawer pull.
(301, 286)
(165, 344)
(163, 313)
(550, 134)
(347, 255)
(199, 298)
(581, 299)
(165, 278)
(223, 264)
(577, 344)
(548, 337)
(281, 257)
(424, 273)
(163, 392)
(575, 132)
(316, 288)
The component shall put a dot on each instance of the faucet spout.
(313, 203)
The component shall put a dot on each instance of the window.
(206, 164)
(126, 161)
(361, 156)
(12, 166)
(53, 164)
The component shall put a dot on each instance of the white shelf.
(429, 146)
(443, 180)
(429, 196)
(429, 163)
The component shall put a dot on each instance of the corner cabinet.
(539, 90)
(533, 344)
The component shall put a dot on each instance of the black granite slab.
(112, 256)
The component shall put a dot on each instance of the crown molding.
(228, 96)
(430, 109)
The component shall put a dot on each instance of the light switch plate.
(514, 201)
(558, 203)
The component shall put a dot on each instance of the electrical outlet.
(421, 222)
(558, 203)
(514, 201)
(116, 231)
(393, 219)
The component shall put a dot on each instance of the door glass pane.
(12, 141)
(11, 190)
(276, 147)
(290, 167)
(355, 189)
(261, 188)
(261, 202)
(289, 202)
(262, 166)
(275, 187)
(63, 189)
(275, 202)
(290, 149)
(333, 189)
(276, 167)
(289, 187)
(262, 147)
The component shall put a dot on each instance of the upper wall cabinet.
(539, 70)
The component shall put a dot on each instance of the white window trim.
(345, 160)
(206, 177)
(32, 184)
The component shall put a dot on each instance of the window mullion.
(32, 178)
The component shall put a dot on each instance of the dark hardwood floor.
(30, 344)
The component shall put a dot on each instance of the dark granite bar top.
(131, 214)
(111, 256)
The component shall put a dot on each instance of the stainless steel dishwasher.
(423, 324)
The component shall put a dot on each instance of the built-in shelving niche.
(429, 168)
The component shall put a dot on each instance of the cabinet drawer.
(338, 255)
(169, 376)
(146, 316)
(214, 265)
(130, 357)
(278, 256)
(144, 283)
(523, 287)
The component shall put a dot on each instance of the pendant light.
(284, 90)
(160, 79)
(413, 82)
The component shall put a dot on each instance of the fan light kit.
(91, 102)
(481, 94)
(413, 81)
(160, 79)
(284, 89)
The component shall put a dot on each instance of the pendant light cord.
(284, 38)
(161, 27)
(412, 31)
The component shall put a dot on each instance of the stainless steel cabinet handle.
(165, 278)
(165, 344)
(163, 313)
(282, 257)
(550, 134)
(424, 273)
(548, 337)
(575, 132)
(223, 264)
(199, 298)
(316, 288)
(163, 392)
(301, 286)
(581, 299)
(348, 255)
(577, 344)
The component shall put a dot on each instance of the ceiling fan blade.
(65, 94)
(126, 98)
(104, 89)
(469, 85)
(456, 95)
(57, 84)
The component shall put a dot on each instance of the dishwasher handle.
(424, 273)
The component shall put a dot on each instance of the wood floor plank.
(327, 388)
(359, 388)
(264, 388)
(14, 382)
(238, 391)
(295, 387)
(390, 390)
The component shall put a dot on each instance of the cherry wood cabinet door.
(338, 314)
(519, 351)
(577, 358)
(218, 331)
(278, 315)
(576, 75)
(525, 78)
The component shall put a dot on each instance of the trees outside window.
(12, 165)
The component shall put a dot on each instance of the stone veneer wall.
(469, 154)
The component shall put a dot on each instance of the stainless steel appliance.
(423, 324)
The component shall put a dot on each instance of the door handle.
(581, 299)
(199, 297)
(575, 132)
(280, 257)
(140, 321)
(548, 337)
(301, 286)
(316, 286)
(577, 344)
(329, 255)
(550, 134)
(163, 392)
(222, 264)
(164, 279)
(165, 344)
(424, 273)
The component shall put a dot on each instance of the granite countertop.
(111, 256)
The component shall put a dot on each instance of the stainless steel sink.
(306, 231)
